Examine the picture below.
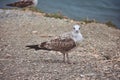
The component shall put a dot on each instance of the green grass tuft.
(34, 9)
(55, 15)
(110, 24)
(86, 20)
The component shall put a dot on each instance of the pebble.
(8, 55)
(34, 32)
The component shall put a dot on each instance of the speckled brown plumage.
(59, 44)
(62, 45)
(21, 4)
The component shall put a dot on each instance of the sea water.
(100, 10)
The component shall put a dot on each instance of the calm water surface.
(101, 10)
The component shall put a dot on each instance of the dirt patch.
(96, 58)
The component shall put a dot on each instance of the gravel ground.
(96, 58)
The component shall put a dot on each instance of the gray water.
(100, 10)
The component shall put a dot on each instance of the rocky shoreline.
(97, 57)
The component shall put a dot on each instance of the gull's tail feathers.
(38, 47)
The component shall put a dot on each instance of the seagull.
(23, 3)
(63, 43)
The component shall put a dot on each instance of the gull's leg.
(63, 57)
(68, 61)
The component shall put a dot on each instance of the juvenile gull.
(63, 44)
(23, 3)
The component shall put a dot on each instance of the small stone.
(34, 32)
(82, 75)
(71, 21)
(8, 56)
(1, 73)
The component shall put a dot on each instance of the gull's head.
(76, 35)
(76, 28)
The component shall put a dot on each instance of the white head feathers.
(76, 35)
(76, 28)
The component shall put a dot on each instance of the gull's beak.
(77, 31)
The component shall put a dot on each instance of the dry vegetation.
(96, 58)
